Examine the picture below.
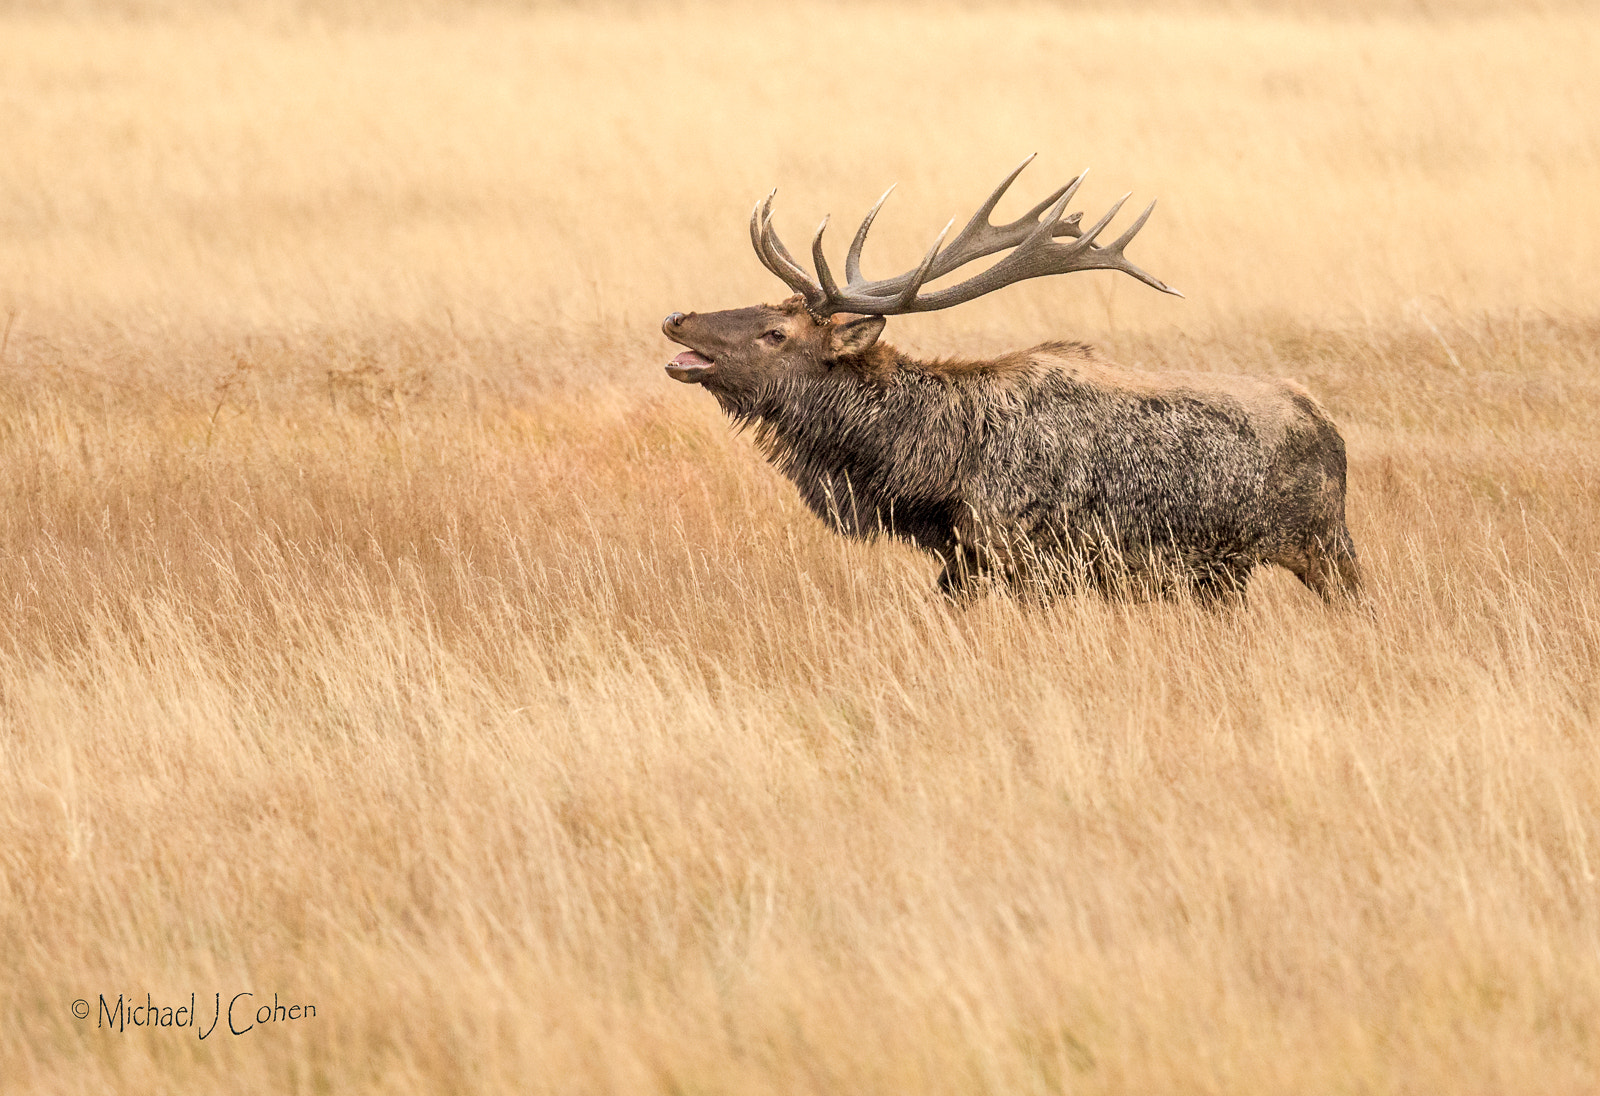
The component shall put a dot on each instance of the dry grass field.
(381, 629)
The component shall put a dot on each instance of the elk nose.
(672, 321)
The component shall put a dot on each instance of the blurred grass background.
(382, 629)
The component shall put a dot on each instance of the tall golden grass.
(383, 631)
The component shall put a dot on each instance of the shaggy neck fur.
(879, 443)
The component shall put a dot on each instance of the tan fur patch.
(1018, 365)
(1264, 401)
(878, 363)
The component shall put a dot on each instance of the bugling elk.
(1038, 469)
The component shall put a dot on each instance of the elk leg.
(963, 568)
(1220, 587)
(1328, 567)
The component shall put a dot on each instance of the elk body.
(1044, 467)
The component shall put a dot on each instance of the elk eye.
(773, 338)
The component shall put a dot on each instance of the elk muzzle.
(690, 367)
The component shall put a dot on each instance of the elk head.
(733, 353)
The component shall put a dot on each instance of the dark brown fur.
(1045, 467)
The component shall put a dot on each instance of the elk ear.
(852, 337)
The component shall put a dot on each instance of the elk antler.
(1031, 236)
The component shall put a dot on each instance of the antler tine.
(1033, 215)
(1063, 196)
(1114, 251)
(1148, 279)
(1111, 257)
(909, 295)
(775, 246)
(830, 288)
(1115, 246)
(852, 261)
(1086, 241)
(760, 233)
(755, 232)
(978, 232)
(1069, 226)
(980, 219)
(776, 258)
(1043, 232)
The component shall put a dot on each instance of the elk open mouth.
(690, 367)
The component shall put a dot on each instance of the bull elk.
(1037, 467)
